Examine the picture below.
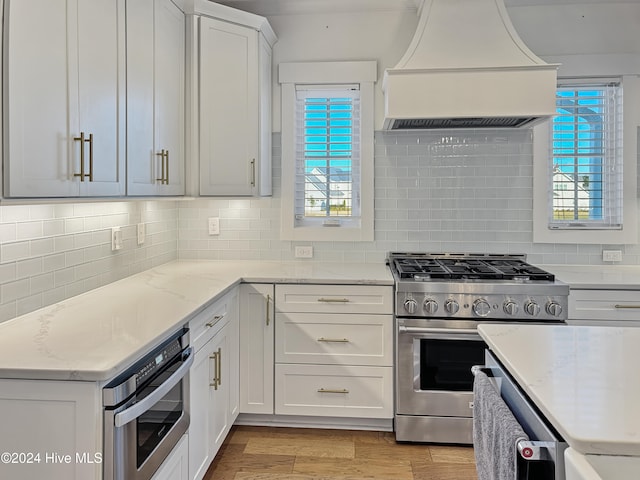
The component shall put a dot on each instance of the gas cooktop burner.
(423, 267)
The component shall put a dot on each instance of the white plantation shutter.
(327, 155)
(586, 175)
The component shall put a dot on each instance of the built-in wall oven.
(439, 301)
(146, 411)
(541, 455)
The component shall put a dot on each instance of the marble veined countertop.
(597, 277)
(584, 379)
(96, 335)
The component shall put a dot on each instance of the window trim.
(318, 73)
(629, 232)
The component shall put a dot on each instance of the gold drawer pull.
(82, 139)
(626, 306)
(334, 300)
(216, 319)
(331, 390)
(336, 340)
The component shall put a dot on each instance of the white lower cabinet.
(45, 425)
(334, 351)
(604, 307)
(334, 390)
(214, 383)
(257, 327)
(176, 465)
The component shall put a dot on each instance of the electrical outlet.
(612, 255)
(214, 226)
(116, 239)
(141, 233)
(305, 251)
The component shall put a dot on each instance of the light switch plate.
(116, 239)
(141, 233)
(304, 251)
(214, 226)
(612, 255)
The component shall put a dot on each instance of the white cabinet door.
(155, 98)
(214, 388)
(257, 324)
(176, 465)
(234, 115)
(46, 418)
(65, 81)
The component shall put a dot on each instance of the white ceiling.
(276, 7)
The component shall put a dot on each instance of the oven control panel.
(517, 307)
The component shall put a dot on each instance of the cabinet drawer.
(350, 339)
(204, 325)
(376, 299)
(336, 391)
(610, 307)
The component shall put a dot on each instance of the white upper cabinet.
(155, 98)
(234, 103)
(64, 134)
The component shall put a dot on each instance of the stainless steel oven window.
(445, 363)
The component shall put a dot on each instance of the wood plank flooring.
(270, 453)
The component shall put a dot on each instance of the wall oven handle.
(139, 408)
(430, 330)
(535, 450)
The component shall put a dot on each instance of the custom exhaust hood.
(466, 67)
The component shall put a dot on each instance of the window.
(585, 164)
(327, 150)
(586, 158)
(327, 155)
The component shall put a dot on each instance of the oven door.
(434, 360)
(142, 431)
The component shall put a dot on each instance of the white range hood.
(466, 67)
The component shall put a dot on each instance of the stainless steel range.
(440, 300)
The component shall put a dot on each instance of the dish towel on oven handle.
(496, 432)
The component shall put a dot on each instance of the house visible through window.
(327, 154)
(586, 158)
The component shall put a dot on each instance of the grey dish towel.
(495, 432)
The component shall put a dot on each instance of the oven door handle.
(137, 409)
(440, 332)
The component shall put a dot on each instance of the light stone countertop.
(96, 335)
(584, 380)
(597, 277)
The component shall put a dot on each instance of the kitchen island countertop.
(584, 380)
(95, 335)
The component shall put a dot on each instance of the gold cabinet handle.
(216, 357)
(82, 139)
(334, 300)
(219, 365)
(268, 308)
(332, 390)
(164, 167)
(215, 320)
(334, 340)
(253, 172)
(627, 306)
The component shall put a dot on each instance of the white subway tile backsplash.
(51, 252)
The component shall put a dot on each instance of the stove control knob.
(510, 307)
(451, 306)
(430, 306)
(532, 308)
(481, 307)
(410, 305)
(554, 309)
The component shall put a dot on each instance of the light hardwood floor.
(269, 453)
